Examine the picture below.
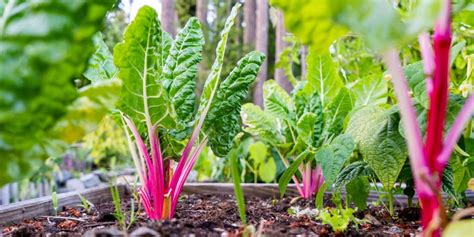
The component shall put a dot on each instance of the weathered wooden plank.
(44, 206)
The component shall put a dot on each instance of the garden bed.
(204, 209)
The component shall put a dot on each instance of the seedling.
(339, 219)
(125, 219)
(86, 204)
(54, 198)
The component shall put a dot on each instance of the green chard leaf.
(44, 46)
(181, 69)
(370, 90)
(352, 172)
(358, 191)
(311, 104)
(332, 157)
(101, 64)
(262, 124)
(375, 130)
(212, 81)
(143, 97)
(277, 101)
(223, 120)
(323, 77)
(337, 111)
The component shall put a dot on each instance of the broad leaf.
(313, 129)
(417, 82)
(259, 123)
(351, 172)
(101, 64)
(322, 76)
(358, 191)
(267, 170)
(306, 128)
(337, 111)
(375, 130)
(370, 90)
(258, 152)
(181, 68)
(311, 21)
(223, 120)
(143, 97)
(331, 158)
(277, 101)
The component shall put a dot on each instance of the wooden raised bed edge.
(42, 206)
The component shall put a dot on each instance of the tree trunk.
(261, 44)
(249, 20)
(280, 45)
(169, 16)
(201, 12)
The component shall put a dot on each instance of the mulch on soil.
(215, 215)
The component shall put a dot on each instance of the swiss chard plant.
(305, 127)
(158, 102)
(384, 30)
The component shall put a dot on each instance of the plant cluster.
(157, 104)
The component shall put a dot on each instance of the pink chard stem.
(439, 93)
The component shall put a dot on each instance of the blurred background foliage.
(58, 85)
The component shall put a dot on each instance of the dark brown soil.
(211, 215)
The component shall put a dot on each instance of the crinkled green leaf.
(44, 46)
(305, 127)
(277, 101)
(181, 68)
(223, 120)
(259, 123)
(358, 191)
(417, 82)
(337, 111)
(310, 104)
(101, 64)
(375, 130)
(331, 158)
(310, 128)
(351, 172)
(322, 76)
(212, 81)
(143, 97)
